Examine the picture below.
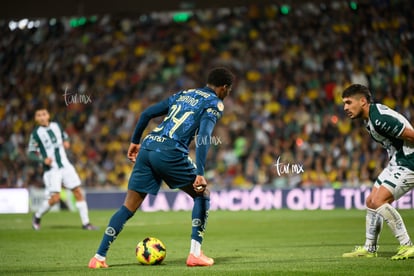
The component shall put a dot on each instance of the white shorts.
(398, 180)
(55, 178)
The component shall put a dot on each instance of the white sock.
(395, 222)
(44, 208)
(100, 258)
(195, 248)
(83, 211)
(373, 227)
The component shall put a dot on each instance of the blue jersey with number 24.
(190, 114)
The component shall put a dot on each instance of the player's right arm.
(392, 126)
(205, 131)
(153, 111)
(35, 156)
(408, 134)
(133, 152)
(200, 184)
(34, 153)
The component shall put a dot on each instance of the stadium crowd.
(283, 126)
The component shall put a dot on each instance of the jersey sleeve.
(389, 126)
(153, 111)
(33, 150)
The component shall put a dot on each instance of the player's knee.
(77, 193)
(133, 200)
(368, 202)
(375, 203)
(55, 198)
(370, 205)
(205, 194)
(371, 202)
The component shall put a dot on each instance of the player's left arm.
(205, 131)
(66, 144)
(208, 120)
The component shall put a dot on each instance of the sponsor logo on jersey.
(214, 112)
(155, 138)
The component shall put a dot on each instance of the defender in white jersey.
(395, 133)
(47, 145)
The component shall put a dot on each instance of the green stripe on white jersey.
(385, 126)
(48, 141)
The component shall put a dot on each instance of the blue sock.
(115, 226)
(199, 218)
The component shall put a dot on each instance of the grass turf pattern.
(275, 242)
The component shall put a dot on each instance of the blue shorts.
(152, 167)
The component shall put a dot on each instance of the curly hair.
(220, 76)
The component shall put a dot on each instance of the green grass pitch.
(275, 242)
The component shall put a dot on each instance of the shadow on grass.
(333, 244)
(181, 262)
(68, 227)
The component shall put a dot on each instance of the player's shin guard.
(199, 217)
(115, 226)
(395, 222)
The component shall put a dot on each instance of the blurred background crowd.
(97, 74)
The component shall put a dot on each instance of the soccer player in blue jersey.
(395, 133)
(163, 156)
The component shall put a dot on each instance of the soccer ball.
(150, 251)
